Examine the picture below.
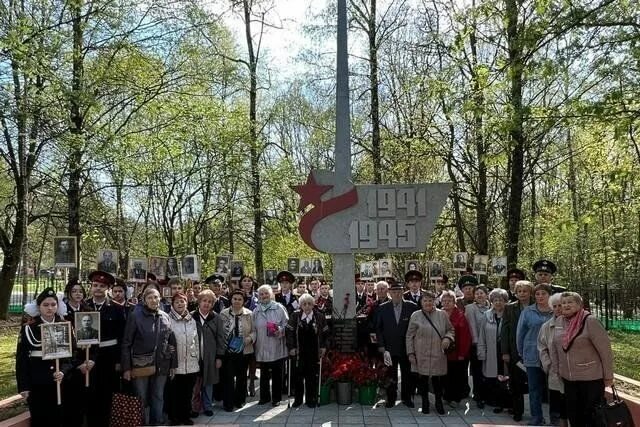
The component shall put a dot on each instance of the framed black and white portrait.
(65, 251)
(172, 269)
(222, 264)
(460, 261)
(166, 292)
(237, 269)
(87, 327)
(366, 270)
(56, 340)
(435, 270)
(107, 261)
(270, 276)
(411, 265)
(305, 267)
(385, 268)
(191, 267)
(480, 263)
(499, 266)
(317, 269)
(138, 270)
(157, 265)
(293, 265)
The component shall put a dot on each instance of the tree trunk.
(376, 144)
(254, 151)
(74, 194)
(516, 135)
(482, 233)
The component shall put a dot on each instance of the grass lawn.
(626, 354)
(8, 339)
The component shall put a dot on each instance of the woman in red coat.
(456, 385)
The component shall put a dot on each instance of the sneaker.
(390, 404)
(208, 413)
(537, 422)
(497, 410)
(194, 414)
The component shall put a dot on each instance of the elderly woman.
(149, 354)
(188, 355)
(509, 348)
(306, 334)
(270, 321)
(37, 378)
(208, 324)
(529, 325)
(237, 338)
(475, 315)
(557, 404)
(456, 385)
(429, 335)
(582, 352)
(489, 350)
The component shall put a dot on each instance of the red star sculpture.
(310, 192)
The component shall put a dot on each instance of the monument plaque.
(345, 335)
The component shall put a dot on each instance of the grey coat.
(488, 344)
(210, 339)
(146, 331)
(423, 341)
(475, 316)
(270, 349)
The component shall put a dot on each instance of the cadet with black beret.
(36, 378)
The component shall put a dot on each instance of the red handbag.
(126, 411)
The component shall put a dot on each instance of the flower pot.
(343, 393)
(367, 394)
(325, 394)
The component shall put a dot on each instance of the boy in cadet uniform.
(514, 275)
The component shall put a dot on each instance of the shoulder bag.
(452, 345)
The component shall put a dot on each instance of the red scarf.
(576, 323)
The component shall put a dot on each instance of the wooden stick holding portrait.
(56, 344)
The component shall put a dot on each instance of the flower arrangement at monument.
(340, 367)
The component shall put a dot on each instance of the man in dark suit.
(413, 279)
(392, 321)
(138, 272)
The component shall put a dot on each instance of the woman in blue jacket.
(529, 325)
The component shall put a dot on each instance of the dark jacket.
(321, 329)
(292, 305)
(146, 331)
(508, 341)
(210, 338)
(408, 296)
(31, 370)
(392, 335)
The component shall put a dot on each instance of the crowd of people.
(181, 354)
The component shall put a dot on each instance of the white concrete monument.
(345, 218)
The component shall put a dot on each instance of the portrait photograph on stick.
(191, 267)
(222, 264)
(384, 268)
(56, 340)
(293, 265)
(305, 267)
(107, 261)
(87, 328)
(460, 261)
(317, 268)
(480, 263)
(366, 270)
(270, 276)
(435, 270)
(138, 270)
(237, 269)
(172, 269)
(411, 265)
(499, 266)
(64, 251)
(157, 266)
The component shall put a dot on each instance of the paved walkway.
(333, 415)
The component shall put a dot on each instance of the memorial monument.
(346, 219)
